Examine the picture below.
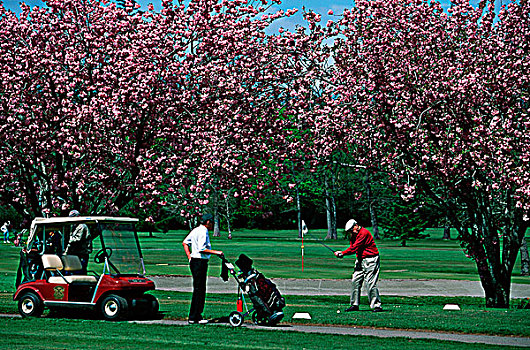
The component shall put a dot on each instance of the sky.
(319, 6)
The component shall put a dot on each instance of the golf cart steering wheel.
(101, 254)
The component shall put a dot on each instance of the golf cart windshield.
(124, 254)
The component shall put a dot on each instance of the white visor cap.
(350, 224)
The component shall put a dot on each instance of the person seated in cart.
(53, 243)
(80, 243)
(30, 263)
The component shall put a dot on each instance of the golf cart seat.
(52, 263)
(71, 263)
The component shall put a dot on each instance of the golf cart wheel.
(235, 318)
(152, 307)
(155, 306)
(259, 320)
(30, 305)
(114, 307)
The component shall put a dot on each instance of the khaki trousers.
(366, 271)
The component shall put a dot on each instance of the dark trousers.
(84, 263)
(199, 271)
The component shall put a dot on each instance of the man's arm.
(350, 250)
(356, 245)
(74, 237)
(85, 232)
(204, 242)
(214, 252)
(187, 250)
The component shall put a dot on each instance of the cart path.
(375, 332)
(523, 342)
(404, 287)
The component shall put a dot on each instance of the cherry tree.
(230, 81)
(62, 147)
(105, 108)
(440, 102)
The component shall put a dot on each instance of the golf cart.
(47, 278)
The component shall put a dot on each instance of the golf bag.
(18, 238)
(266, 298)
(29, 267)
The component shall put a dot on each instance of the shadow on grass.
(90, 314)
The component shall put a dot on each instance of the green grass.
(277, 254)
(95, 335)
(425, 313)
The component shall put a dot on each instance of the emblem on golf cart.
(58, 292)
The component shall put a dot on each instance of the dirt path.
(403, 287)
(383, 333)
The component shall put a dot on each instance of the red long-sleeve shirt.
(363, 245)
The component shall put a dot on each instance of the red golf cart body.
(53, 280)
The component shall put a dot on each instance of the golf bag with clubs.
(267, 300)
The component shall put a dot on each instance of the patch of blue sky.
(14, 5)
(319, 6)
(337, 6)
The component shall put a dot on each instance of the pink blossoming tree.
(105, 108)
(440, 102)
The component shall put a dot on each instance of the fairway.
(277, 254)
(95, 335)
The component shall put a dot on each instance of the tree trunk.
(228, 218)
(298, 212)
(44, 194)
(447, 229)
(216, 219)
(490, 270)
(331, 212)
(373, 215)
(495, 269)
(525, 258)
(483, 232)
(217, 224)
(375, 226)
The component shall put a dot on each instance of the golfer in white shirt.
(199, 242)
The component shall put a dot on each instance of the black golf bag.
(265, 296)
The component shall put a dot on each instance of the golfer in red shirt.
(366, 266)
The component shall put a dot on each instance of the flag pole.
(304, 230)
(302, 251)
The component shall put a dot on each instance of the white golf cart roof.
(61, 221)
(82, 219)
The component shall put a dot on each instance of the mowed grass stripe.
(73, 334)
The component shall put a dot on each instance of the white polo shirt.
(199, 240)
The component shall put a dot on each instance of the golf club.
(306, 231)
